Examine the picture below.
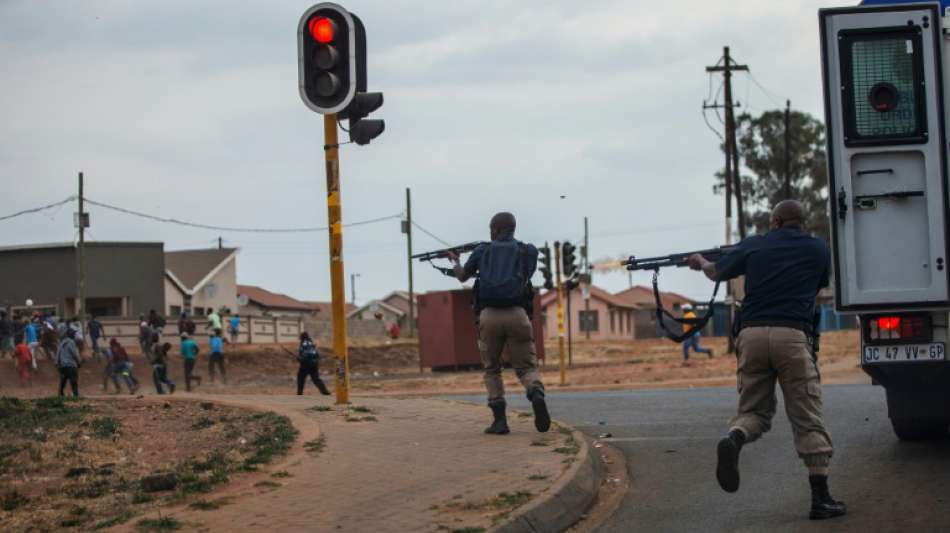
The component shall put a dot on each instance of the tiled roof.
(549, 298)
(641, 296)
(272, 300)
(325, 309)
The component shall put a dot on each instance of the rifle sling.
(662, 314)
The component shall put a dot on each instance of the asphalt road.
(669, 439)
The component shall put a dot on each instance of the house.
(121, 278)
(392, 308)
(324, 310)
(199, 281)
(255, 301)
(609, 317)
(629, 314)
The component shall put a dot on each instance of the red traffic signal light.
(326, 49)
(322, 29)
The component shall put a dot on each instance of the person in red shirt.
(24, 359)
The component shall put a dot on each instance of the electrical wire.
(38, 209)
(429, 233)
(230, 229)
(768, 94)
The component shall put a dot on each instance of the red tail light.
(904, 328)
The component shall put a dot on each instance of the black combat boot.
(499, 425)
(542, 420)
(727, 469)
(823, 506)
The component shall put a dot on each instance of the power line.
(429, 233)
(232, 229)
(38, 209)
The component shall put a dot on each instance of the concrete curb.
(566, 502)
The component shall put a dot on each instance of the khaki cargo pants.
(767, 354)
(509, 326)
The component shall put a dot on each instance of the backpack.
(502, 274)
(308, 353)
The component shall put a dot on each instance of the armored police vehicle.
(886, 93)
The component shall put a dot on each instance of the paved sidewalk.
(423, 465)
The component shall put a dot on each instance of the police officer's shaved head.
(788, 214)
(502, 223)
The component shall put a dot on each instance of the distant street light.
(353, 287)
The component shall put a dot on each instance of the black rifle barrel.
(443, 253)
(675, 260)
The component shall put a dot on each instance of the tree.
(762, 150)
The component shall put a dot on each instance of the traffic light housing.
(326, 58)
(544, 259)
(568, 266)
(363, 130)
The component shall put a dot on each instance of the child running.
(24, 358)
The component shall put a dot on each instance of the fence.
(252, 330)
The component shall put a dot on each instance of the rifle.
(676, 260)
(687, 325)
(444, 254)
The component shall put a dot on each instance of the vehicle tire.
(919, 428)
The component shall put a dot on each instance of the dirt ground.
(382, 366)
(92, 464)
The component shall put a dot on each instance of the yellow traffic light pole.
(560, 313)
(337, 285)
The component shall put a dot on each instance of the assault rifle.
(444, 253)
(688, 326)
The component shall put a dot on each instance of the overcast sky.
(191, 110)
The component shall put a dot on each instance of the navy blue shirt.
(784, 269)
(531, 254)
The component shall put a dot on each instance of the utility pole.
(81, 257)
(590, 281)
(220, 243)
(788, 150)
(570, 331)
(412, 299)
(353, 277)
(335, 217)
(727, 68)
(560, 312)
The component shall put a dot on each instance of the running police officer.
(784, 269)
(503, 298)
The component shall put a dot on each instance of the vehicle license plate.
(905, 352)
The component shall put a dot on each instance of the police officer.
(503, 298)
(784, 269)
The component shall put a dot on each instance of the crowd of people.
(64, 341)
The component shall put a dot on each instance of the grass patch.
(509, 500)
(570, 446)
(202, 423)
(540, 442)
(275, 438)
(469, 530)
(105, 428)
(114, 521)
(13, 500)
(525, 415)
(34, 418)
(315, 446)
(320, 408)
(164, 523)
(370, 418)
(267, 484)
(283, 473)
(360, 409)
(205, 505)
(141, 497)
(537, 477)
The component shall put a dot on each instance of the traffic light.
(544, 258)
(567, 260)
(363, 130)
(326, 58)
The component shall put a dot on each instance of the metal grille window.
(883, 86)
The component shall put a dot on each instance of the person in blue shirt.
(216, 358)
(32, 339)
(234, 329)
(189, 353)
(784, 270)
